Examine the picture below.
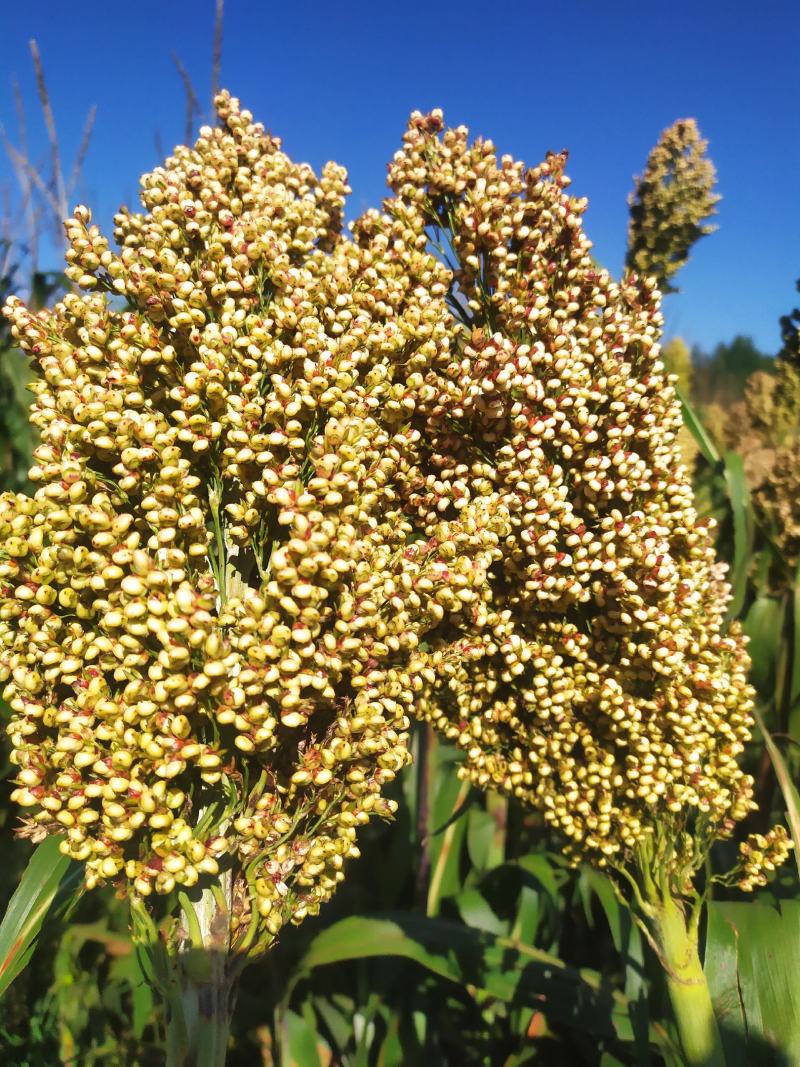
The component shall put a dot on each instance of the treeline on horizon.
(720, 375)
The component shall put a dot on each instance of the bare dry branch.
(23, 172)
(216, 61)
(192, 103)
(7, 238)
(58, 176)
(77, 166)
(22, 162)
(28, 209)
(19, 106)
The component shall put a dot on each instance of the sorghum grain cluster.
(765, 428)
(212, 602)
(595, 679)
(671, 203)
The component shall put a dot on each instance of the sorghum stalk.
(670, 916)
(676, 938)
(207, 982)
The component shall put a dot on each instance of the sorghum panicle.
(765, 429)
(596, 679)
(671, 203)
(212, 604)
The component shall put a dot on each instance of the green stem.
(676, 941)
(437, 876)
(200, 1004)
(497, 807)
(201, 1035)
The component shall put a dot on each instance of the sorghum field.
(399, 615)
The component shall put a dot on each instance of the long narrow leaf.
(790, 795)
(697, 430)
(628, 943)
(741, 511)
(794, 691)
(752, 956)
(47, 873)
(763, 625)
(515, 973)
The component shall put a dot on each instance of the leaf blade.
(788, 789)
(751, 950)
(503, 968)
(47, 873)
(692, 422)
(741, 511)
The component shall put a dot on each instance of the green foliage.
(493, 966)
(28, 908)
(17, 436)
(720, 377)
(790, 334)
(752, 953)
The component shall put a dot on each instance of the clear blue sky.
(337, 80)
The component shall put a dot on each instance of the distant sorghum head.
(212, 606)
(790, 334)
(765, 429)
(596, 679)
(670, 204)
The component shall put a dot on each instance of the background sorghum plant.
(670, 204)
(597, 682)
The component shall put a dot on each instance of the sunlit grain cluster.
(597, 680)
(671, 204)
(295, 486)
(210, 604)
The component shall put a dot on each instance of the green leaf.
(445, 851)
(794, 691)
(497, 966)
(49, 876)
(391, 1050)
(538, 895)
(618, 916)
(142, 998)
(476, 911)
(790, 795)
(480, 838)
(739, 497)
(628, 943)
(692, 421)
(334, 1021)
(763, 625)
(752, 960)
(302, 1044)
(529, 915)
(461, 807)
(539, 865)
(722, 970)
(126, 969)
